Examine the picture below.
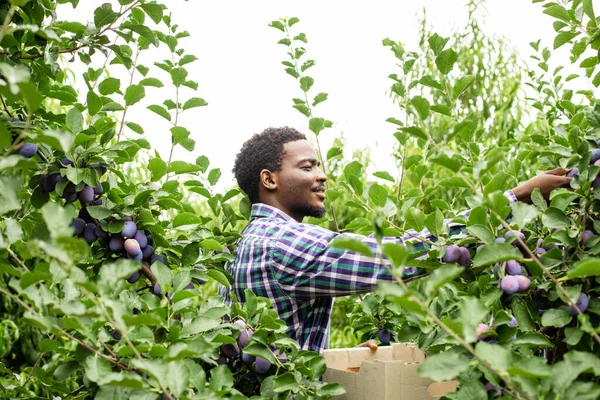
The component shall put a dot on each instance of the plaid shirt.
(292, 264)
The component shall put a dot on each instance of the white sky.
(241, 77)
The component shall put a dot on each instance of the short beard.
(308, 210)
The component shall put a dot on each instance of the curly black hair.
(262, 151)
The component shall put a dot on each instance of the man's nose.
(321, 177)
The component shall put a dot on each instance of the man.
(290, 262)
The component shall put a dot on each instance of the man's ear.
(268, 179)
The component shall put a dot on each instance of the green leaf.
(151, 82)
(160, 110)
(346, 242)
(523, 213)
(74, 120)
(154, 11)
(98, 212)
(558, 11)
(557, 317)
(378, 194)
(445, 61)
(496, 355)
(522, 314)
(441, 276)
(421, 105)
(415, 132)
(158, 168)
(555, 218)
(383, 175)
(94, 103)
(277, 25)
(194, 102)
(585, 268)
(564, 37)
(306, 83)
(462, 84)
(186, 220)
(188, 58)
(58, 219)
(260, 350)
(482, 232)
(429, 81)
(533, 339)
(443, 366)
(496, 252)
(104, 15)
(162, 273)
(178, 76)
(437, 43)
(134, 94)
(135, 127)
(321, 97)
(285, 382)
(109, 86)
(472, 312)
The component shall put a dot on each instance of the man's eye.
(308, 168)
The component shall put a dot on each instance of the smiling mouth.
(320, 194)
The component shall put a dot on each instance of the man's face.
(300, 183)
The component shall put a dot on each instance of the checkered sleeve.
(306, 266)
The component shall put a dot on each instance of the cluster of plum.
(457, 254)
(233, 355)
(131, 242)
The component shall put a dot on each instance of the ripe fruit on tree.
(28, 150)
(582, 303)
(261, 366)
(509, 284)
(452, 254)
(384, 337)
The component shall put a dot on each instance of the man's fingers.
(556, 171)
(371, 344)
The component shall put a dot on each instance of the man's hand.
(546, 182)
(372, 344)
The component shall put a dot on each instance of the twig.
(17, 259)
(10, 114)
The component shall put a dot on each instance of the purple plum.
(384, 337)
(261, 366)
(86, 195)
(79, 225)
(595, 156)
(141, 238)
(524, 283)
(28, 150)
(99, 189)
(573, 172)
(513, 267)
(509, 284)
(230, 350)
(116, 243)
(452, 254)
(480, 330)
(132, 247)
(582, 303)
(89, 233)
(156, 289)
(129, 229)
(135, 277)
(465, 257)
(158, 258)
(248, 359)
(585, 236)
(147, 252)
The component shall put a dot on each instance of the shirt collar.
(261, 210)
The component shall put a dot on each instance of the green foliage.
(466, 133)
(81, 317)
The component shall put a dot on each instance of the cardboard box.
(388, 373)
